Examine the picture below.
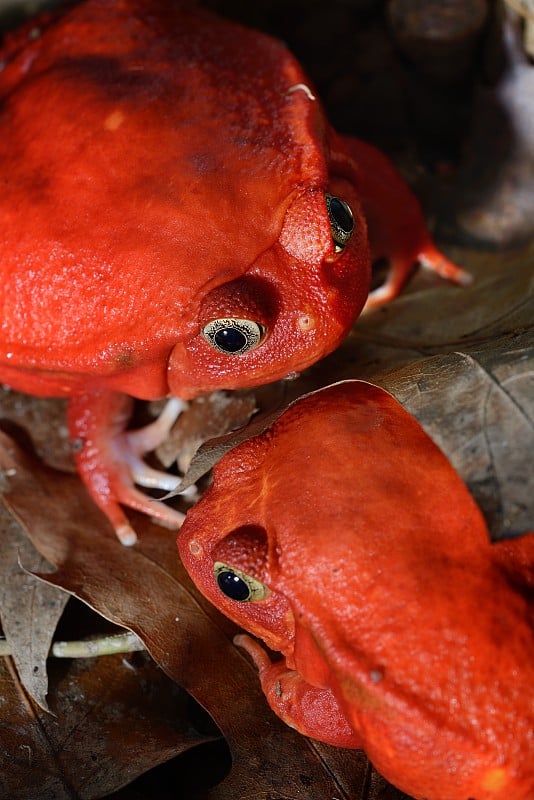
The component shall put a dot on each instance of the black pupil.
(233, 586)
(230, 339)
(341, 214)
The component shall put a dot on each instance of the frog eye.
(233, 336)
(238, 585)
(341, 221)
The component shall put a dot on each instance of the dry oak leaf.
(145, 590)
(113, 719)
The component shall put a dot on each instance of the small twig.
(89, 648)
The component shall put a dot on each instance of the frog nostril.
(195, 548)
(306, 322)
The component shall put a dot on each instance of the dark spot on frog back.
(204, 163)
(125, 359)
(105, 73)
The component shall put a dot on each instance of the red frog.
(177, 216)
(343, 538)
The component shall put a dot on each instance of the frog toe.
(109, 459)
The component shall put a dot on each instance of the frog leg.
(311, 710)
(516, 557)
(109, 460)
(397, 227)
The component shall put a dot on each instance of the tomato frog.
(177, 216)
(343, 538)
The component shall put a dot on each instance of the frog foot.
(397, 227)
(428, 257)
(311, 710)
(109, 458)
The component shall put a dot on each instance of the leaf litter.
(460, 360)
(145, 590)
(477, 405)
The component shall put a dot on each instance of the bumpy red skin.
(403, 630)
(163, 168)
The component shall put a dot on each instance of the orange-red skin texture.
(152, 153)
(163, 168)
(386, 597)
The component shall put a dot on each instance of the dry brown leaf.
(479, 408)
(432, 316)
(114, 718)
(29, 609)
(145, 590)
(208, 415)
(213, 424)
(409, 347)
(215, 448)
(45, 418)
